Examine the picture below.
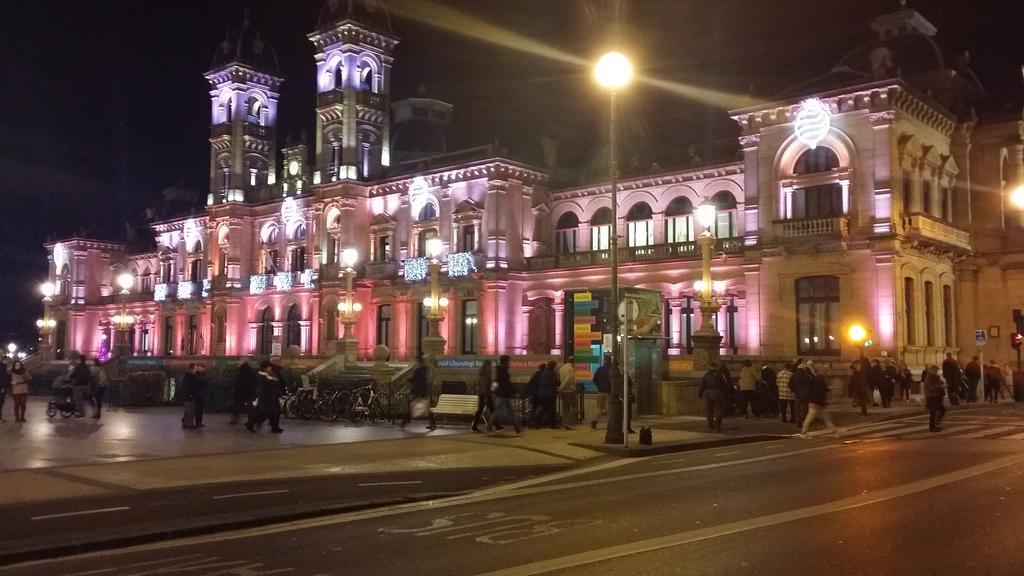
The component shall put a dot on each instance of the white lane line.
(989, 431)
(772, 445)
(867, 428)
(81, 513)
(137, 565)
(726, 453)
(1014, 437)
(390, 483)
(898, 431)
(689, 537)
(244, 494)
(945, 432)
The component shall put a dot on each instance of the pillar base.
(706, 349)
(46, 352)
(349, 348)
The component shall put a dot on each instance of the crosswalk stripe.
(945, 432)
(898, 431)
(989, 432)
(876, 427)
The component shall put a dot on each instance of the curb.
(71, 546)
(671, 448)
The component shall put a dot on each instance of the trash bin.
(646, 438)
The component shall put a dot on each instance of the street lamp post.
(349, 309)
(435, 304)
(614, 72)
(123, 322)
(46, 324)
(707, 340)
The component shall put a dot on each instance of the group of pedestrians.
(548, 387)
(88, 384)
(962, 382)
(495, 393)
(873, 383)
(257, 394)
(14, 379)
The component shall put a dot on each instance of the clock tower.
(295, 180)
(245, 83)
(354, 45)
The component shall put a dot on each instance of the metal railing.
(630, 254)
(832, 226)
(931, 228)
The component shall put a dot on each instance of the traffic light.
(1016, 339)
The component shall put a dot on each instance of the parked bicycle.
(299, 404)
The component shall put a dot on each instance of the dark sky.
(103, 104)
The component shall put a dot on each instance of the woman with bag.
(20, 379)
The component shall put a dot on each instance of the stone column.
(304, 335)
(559, 310)
(524, 329)
(675, 327)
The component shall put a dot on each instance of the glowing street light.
(613, 72)
(12, 348)
(434, 305)
(47, 289)
(1017, 197)
(707, 339)
(125, 281)
(348, 308)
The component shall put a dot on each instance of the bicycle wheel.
(289, 408)
(358, 411)
(327, 409)
(306, 407)
(378, 409)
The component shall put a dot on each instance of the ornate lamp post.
(124, 322)
(12, 348)
(349, 309)
(707, 339)
(613, 72)
(435, 304)
(46, 324)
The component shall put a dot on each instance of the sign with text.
(980, 338)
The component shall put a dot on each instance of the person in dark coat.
(603, 383)
(547, 394)
(973, 374)
(419, 392)
(268, 399)
(536, 409)
(860, 383)
(933, 393)
(954, 377)
(880, 381)
(817, 401)
(484, 378)
(503, 396)
(189, 394)
(770, 379)
(713, 390)
(81, 381)
(246, 382)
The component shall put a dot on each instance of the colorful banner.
(587, 349)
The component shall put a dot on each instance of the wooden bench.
(455, 405)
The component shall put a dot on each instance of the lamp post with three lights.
(349, 309)
(707, 340)
(46, 324)
(124, 322)
(434, 305)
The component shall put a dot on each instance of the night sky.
(103, 104)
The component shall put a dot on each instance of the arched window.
(292, 328)
(601, 229)
(265, 332)
(929, 313)
(339, 76)
(254, 111)
(725, 215)
(818, 318)
(146, 280)
(428, 212)
(566, 233)
(366, 77)
(640, 225)
(817, 200)
(195, 271)
(330, 325)
(679, 221)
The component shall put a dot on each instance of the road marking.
(391, 483)
(875, 427)
(989, 431)
(726, 453)
(945, 432)
(137, 565)
(1014, 437)
(243, 494)
(689, 537)
(80, 513)
(772, 445)
(898, 431)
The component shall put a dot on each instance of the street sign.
(980, 338)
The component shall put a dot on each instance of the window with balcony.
(819, 200)
(469, 322)
(265, 332)
(927, 202)
(195, 270)
(382, 252)
(679, 221)
(467, 242)
(298, 259)
(640, 225)
(817, 311)
(146, 281)
(566, 233)
(725, 225)
(421, 241)
(384, 325)
(601, 229)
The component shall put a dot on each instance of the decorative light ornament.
(283, 281)
(349, 257)
(125, 280)
(813, 121)
(191, 233)
(185, 290)
(613, 71)
(415, 269)
(60, 255)
(160, 292)
(428, 302)
(257, 284)
(308, 277)
(418, 193)
(461, 264)
(1017, 197)
(289, 212)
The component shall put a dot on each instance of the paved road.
(853, 505)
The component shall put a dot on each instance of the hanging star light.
(461, 264)
(813, 121)
(415, 269)
(191, 233)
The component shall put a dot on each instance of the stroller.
(62, 402)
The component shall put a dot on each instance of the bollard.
(646, 438)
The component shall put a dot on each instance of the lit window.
(640, 225)
(600, 229)
(725, 216)
(819, 201)
(566, 233)
(679, 221)
(469, 322)
(817, 308)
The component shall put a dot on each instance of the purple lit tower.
(245, 81)
(353, 45)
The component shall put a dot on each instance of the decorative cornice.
(490, 169)
(650, 181)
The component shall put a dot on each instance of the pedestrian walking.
(20, 379)
(603, 383)
(880, 383)
(993, 381)
(954, 377)
(189, 391)
(770, 378)
(860, 383)
(786, 406)
(906, 380)
(547, 396)
(817, 402)
(748, 387)
(5, 383)
(484, 379)
(419, 394)
(1008, 380)
(99, 387)
(933, 391)
(713, 389)
(973, 374)
(503, 393)
(567, 392)
(268, 401)
(245, 384)
(81, 381)
(799, 383)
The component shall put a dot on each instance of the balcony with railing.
(632, 254)
(335, 96)
(835, 226)
(283, 281)
(933, 230)
(371, 100)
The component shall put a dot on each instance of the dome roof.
(370, 12)
(246, 46)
